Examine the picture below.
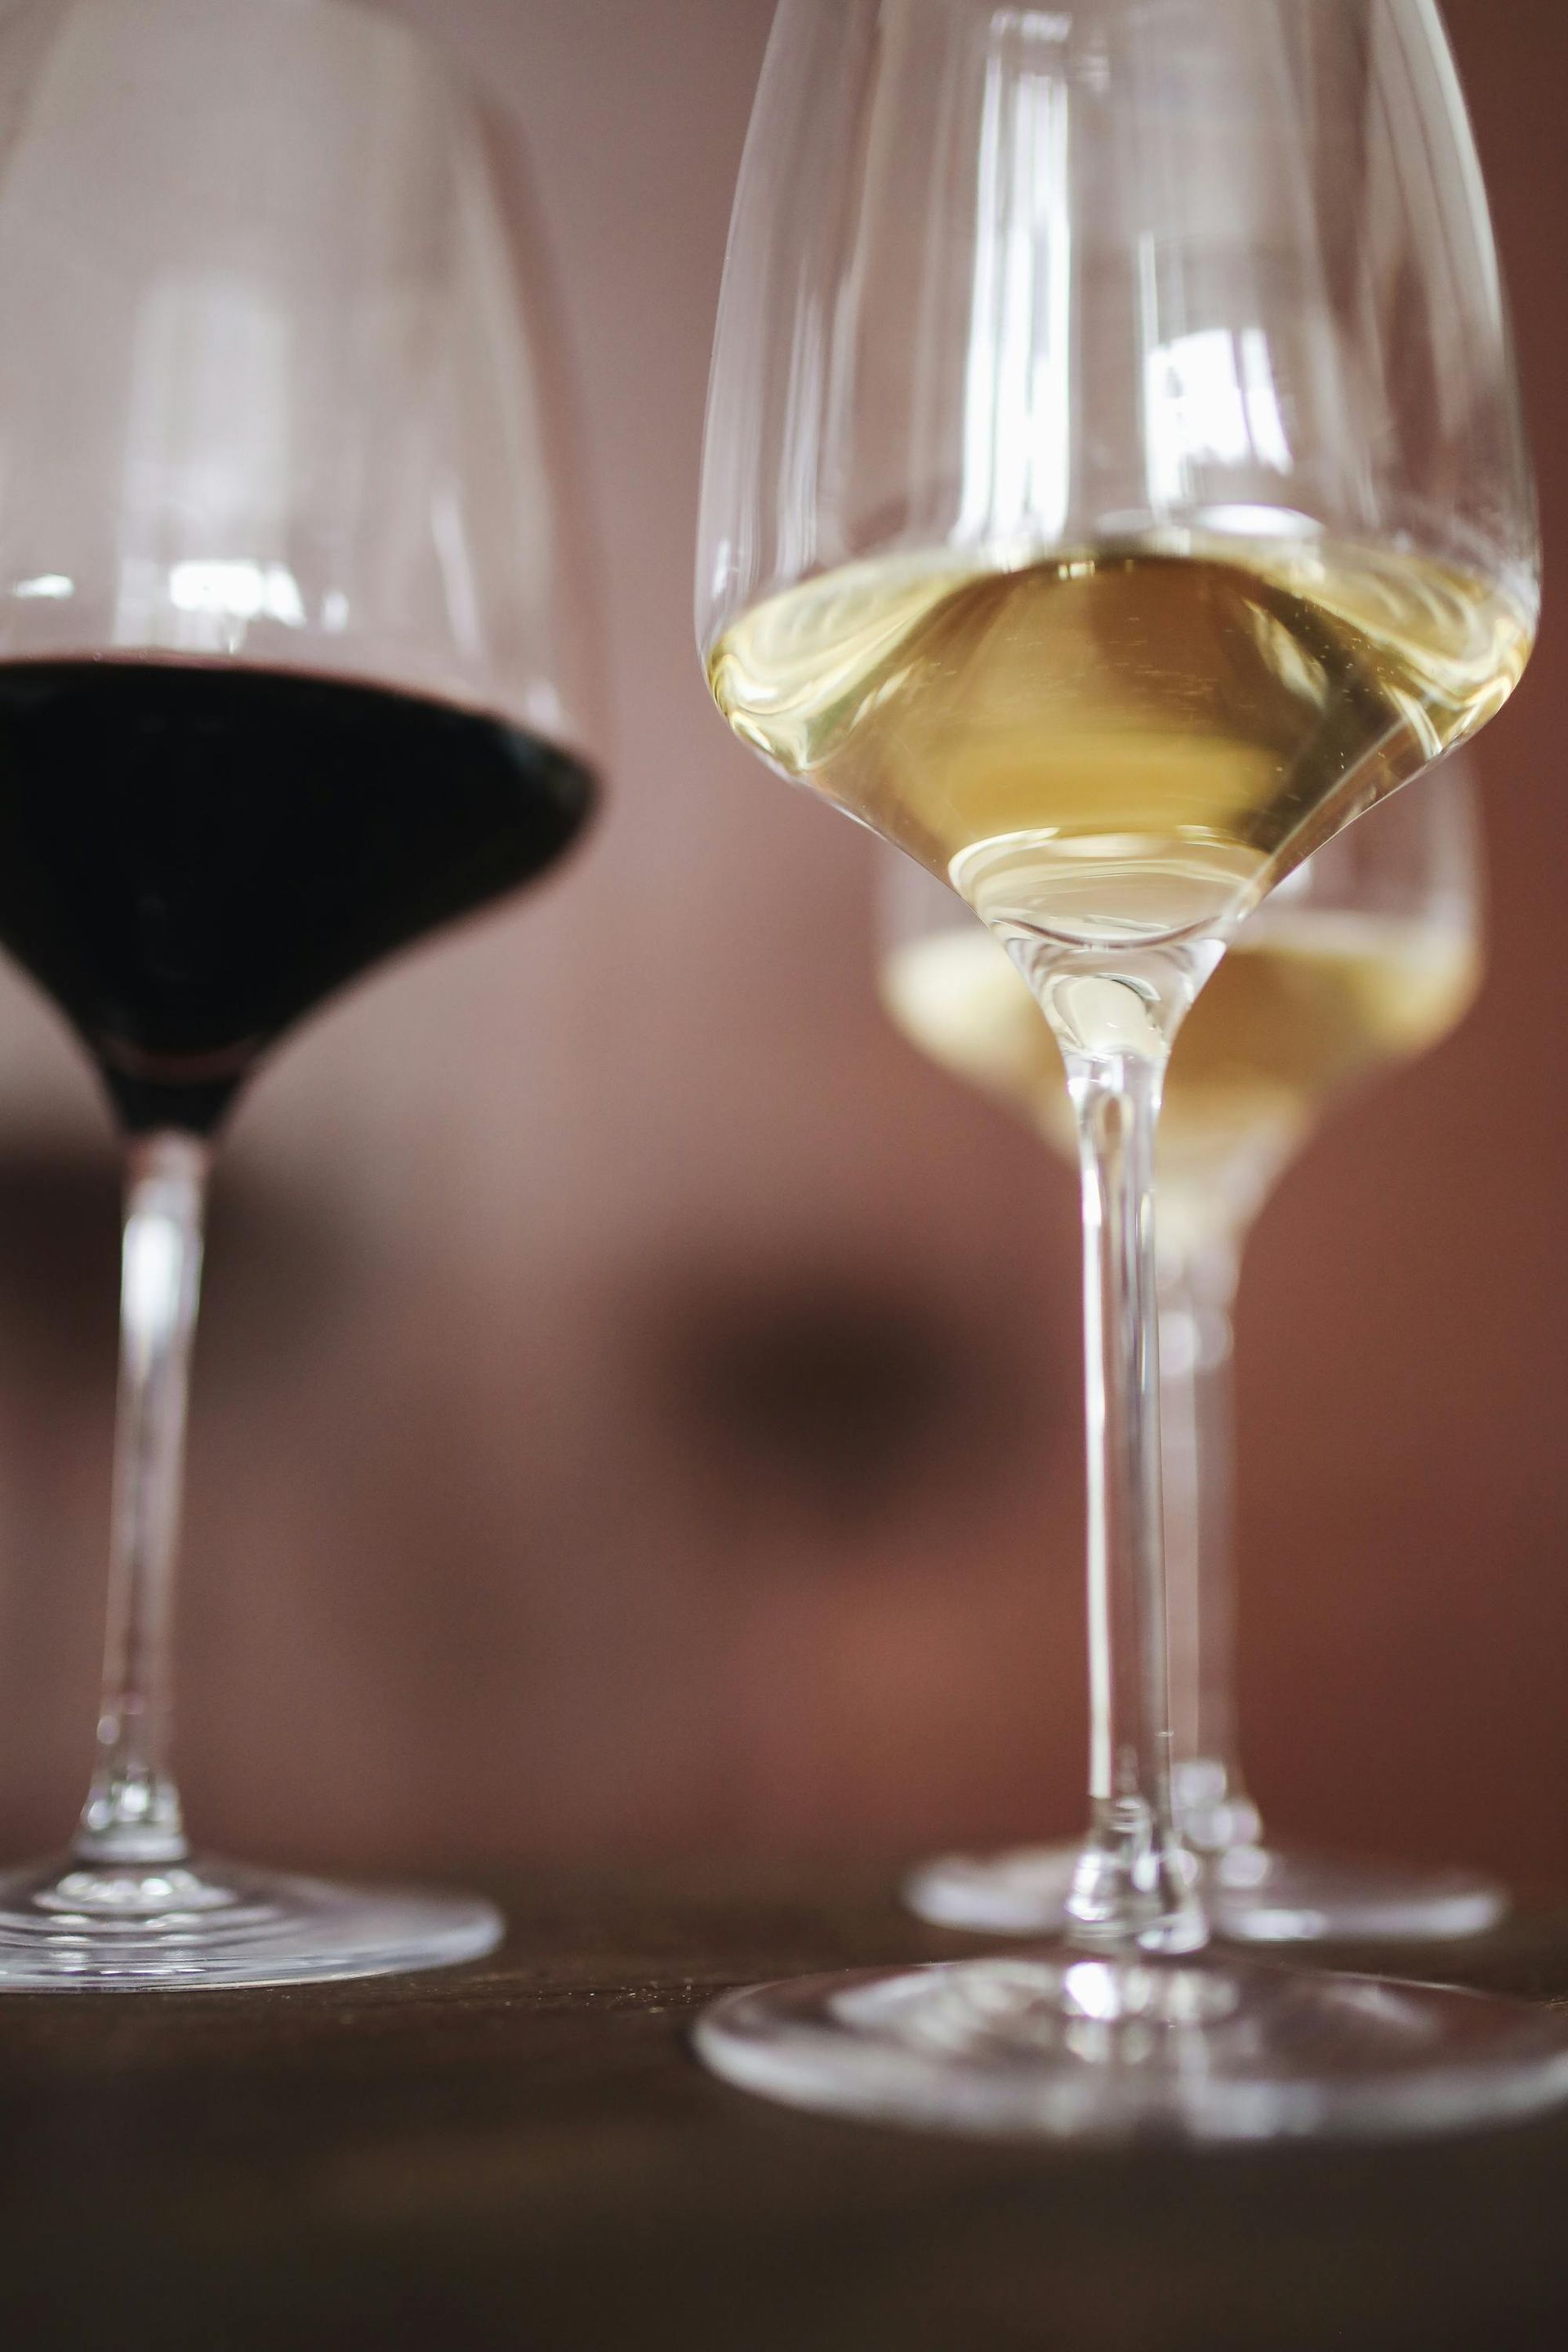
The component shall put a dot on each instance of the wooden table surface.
(521, 2154)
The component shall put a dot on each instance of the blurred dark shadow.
(831, 1392)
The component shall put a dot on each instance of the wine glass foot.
(1266, 1895)
(1063, 2046)
(1256, 1894)
(69, 1923)
(1021, 1892)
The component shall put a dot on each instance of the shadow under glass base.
(1256, 1894)
(70, 1925)
(1054, 2045)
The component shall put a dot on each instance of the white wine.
(1125, 744)
(1306, 1001)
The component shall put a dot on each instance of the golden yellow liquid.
(1122, 744)
(1306, 1003)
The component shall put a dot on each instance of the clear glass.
(275, 422)
(1113, 485)
(1364, 957)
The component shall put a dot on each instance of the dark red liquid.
(192, 856)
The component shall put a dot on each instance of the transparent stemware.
(1365, 957)
(1113, 485)
(281, 514)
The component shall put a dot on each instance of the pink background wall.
(637, 1400)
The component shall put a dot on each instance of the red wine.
(193, 856)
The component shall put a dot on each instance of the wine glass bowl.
(1201, 411)
(274, 411)
(1113, 485)
(288, 629)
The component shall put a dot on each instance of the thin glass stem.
(133, 1813)
(1134, 1886)
(1197, 1293)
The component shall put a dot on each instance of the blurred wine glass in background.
(1365, 958)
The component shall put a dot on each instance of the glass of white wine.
(1361, 960)
(1114, 485)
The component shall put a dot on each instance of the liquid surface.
(1305, 1004)
(1121, 745)
(191, 857)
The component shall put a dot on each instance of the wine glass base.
(70, 1925)
(1058, 2045)
(1256, 1894)
(1021, 1892)
(1261, 1894)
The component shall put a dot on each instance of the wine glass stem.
(1134, 1886)
(132, 1811)
(1197, 1293)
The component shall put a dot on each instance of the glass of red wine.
(283, 645)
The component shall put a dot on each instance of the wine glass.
(1362, 958)
(281, 688)
(1114, 485)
